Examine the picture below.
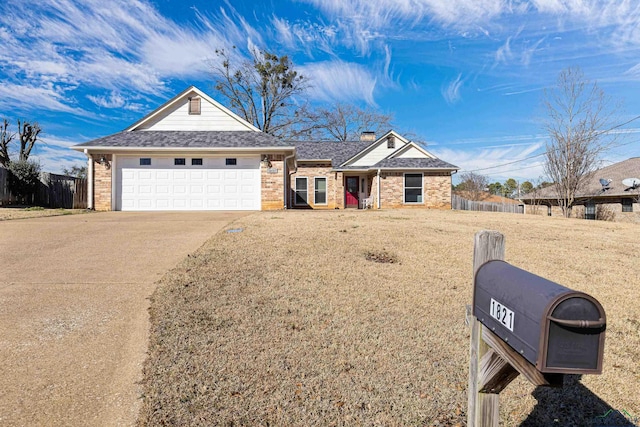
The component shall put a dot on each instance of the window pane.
(196, 162)
(145, 161)
(321, 191)
(627, 205)
(413, 180)
(231, 162)
(413, 195)
(179, 162)
(301, 191)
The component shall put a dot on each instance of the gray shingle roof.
(616, 172)
(414, 163)
(338, 152)
(187, 139)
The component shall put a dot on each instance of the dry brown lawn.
(24, 213)
(357, 318)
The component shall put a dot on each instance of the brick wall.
(102, 183)
(606, 210)
(272, 183)
(318, 170)
(436, 191)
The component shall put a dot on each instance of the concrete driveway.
(73, 310)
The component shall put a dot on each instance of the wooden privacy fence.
(461, 204)
(54, 191)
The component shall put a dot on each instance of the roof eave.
(111, 149)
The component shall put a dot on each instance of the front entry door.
(351, 192)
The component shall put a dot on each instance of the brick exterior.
(436, 191)
(437, 188)
(606, 210)
(102, 183)
(318, 170)
(272, 184)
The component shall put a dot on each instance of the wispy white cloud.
(113, 100)
(305, 36)
(25, 97)
(333, 81)
(53, 154)
(127, 47)
(497, 162)
(451, 91)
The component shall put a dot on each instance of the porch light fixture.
(266, 161)
(104, 162)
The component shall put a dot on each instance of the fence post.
(483, 409)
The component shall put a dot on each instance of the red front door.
(351, 192)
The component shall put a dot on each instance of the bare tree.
(579, 115)
(261, 90)
(5, 139)
(341, 122)
(473, 185)
(27, 138)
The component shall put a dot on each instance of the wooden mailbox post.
(555, 316)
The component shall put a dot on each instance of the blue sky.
(465, 76)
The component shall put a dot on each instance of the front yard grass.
(35, 212)
(357, 318)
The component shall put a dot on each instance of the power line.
(557, 149)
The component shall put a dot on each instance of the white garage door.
(188, 183)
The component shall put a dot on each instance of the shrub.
(24, 176)
(605, 213)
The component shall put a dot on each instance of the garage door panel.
(165, 186)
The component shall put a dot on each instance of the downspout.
(286, 176)
(89, 180)
(378, 188)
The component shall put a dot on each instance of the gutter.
(286, 175)
(210, 150)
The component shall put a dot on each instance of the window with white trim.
(320, 191)
(413, 188)
(301, 191)
(194, 105)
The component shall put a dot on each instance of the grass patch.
(286, 323)
(33, 208)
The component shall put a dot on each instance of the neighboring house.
(609, 199)
(192, 153)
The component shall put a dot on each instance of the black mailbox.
(555, 328)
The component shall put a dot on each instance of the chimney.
(368, 136)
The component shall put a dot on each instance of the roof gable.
(174, 115)
(377, 150)
(411, 151)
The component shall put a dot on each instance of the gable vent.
(194, 105)
(391, 141)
